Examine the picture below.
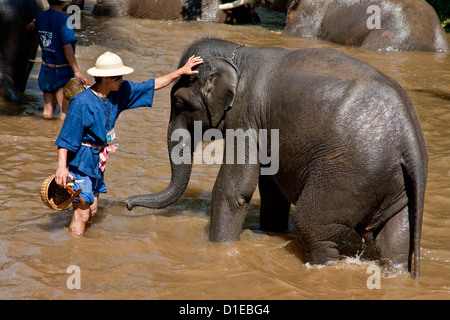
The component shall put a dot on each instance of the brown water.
(167, 255)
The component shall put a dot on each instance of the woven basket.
(55, 196)
(72, 88)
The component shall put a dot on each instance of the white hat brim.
(121, 71)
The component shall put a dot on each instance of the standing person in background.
(57, 40)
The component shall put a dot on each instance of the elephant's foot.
(393, 242)
(8, 92)
(224, 235)
(226, 226)
(322, 253)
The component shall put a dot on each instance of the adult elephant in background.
(336, 138)
(17, 45)
(201, 10)
(402, 24)
(371, 24)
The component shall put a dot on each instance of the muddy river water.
(166, 254)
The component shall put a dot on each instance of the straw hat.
(109, 65)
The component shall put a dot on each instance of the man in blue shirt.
(87, 134)
(57, 40)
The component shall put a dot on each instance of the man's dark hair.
(55, 2)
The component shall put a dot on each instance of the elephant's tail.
(415, 173)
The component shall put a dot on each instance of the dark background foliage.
(442, 8)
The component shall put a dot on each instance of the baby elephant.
(333, 136)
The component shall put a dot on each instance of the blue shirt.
(89, 119)
(53, 34)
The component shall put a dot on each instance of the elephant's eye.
(178, 103)
(186, 99)
(181, 105)
(193, 78)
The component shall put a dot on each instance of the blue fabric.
(87, 122)
(51, 79)
(89, 186)
(53, 34)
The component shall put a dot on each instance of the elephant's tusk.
(234, 4)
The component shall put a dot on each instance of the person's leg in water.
(82, 215)
(50, 103)
(63, 104)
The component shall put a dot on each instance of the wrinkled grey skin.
(17, 46)
(405, 24)
(201, 10)
(352, 154)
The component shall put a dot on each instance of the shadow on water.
(440, 92)
(12, 109)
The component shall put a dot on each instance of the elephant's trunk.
(181, 171)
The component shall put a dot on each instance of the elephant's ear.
(220, 88)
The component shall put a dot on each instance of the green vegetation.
(442, 8)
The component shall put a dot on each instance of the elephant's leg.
(274, 213)
(232, 193)
(324, 216)
(392, 241)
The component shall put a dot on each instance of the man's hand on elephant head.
(167, 79)
(191, 63)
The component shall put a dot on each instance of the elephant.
(410, 25)
(346, 148)
(18, 46)
(201, 10)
